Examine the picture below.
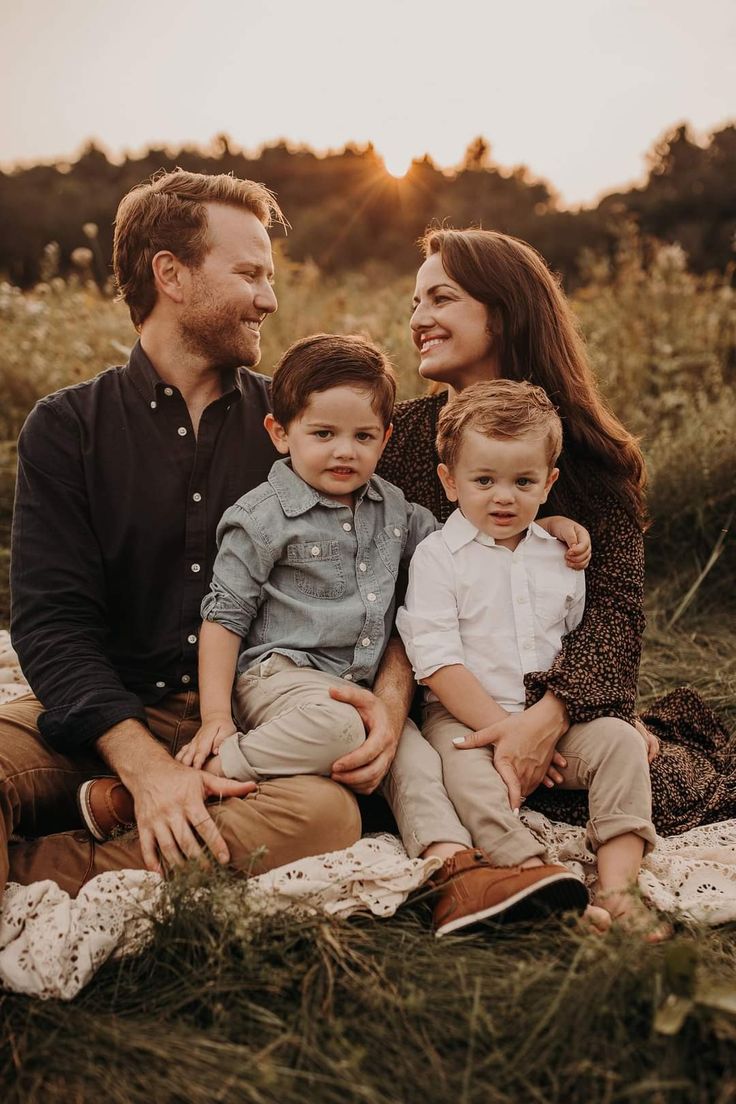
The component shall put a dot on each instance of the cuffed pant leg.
(608, 758)
(478, 792)
(283, 821)
(290, 724)
(38, 785)
(415, 791)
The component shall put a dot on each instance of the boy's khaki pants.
(292, 726)
(606, 757)
(289, 817)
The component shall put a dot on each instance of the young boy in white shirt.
(489, 599)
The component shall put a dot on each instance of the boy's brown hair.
(324, 361)
(168, 212)
(504, 409)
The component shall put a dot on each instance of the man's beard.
(217, 333)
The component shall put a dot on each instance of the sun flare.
(397, 164)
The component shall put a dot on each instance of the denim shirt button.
(315, 550)
(347, 526)
(366, 641)
(371, 597)
(348, 677)
(397, 532)
(362, 567)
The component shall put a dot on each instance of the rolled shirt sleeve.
(428, 620)
(59, 609)
(245, 559)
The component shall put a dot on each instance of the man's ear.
(551, 480)
(168, 274)
(448, 482)
(277, 433)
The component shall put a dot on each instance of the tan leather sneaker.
(471, 891)
(106, 807)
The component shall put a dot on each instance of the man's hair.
(502, 409)
(168, 212)
(324, 361)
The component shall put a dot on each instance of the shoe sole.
(552, 896)
(86, 813)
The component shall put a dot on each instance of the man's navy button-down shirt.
(116, 509)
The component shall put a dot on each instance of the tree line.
(346, 210)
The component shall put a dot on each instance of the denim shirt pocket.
(316, 568)
(390, 543)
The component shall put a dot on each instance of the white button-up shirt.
(499, 613)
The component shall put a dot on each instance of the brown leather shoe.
(472, 891)
(106, 807)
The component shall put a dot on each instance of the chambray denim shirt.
(302, 575)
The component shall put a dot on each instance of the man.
(121, 483)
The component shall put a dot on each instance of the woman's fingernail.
(458, 739)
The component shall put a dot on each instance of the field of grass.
(226, 1007)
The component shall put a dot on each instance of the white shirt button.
(196, 497)
(315, 550)
(168, 391)
(521, 600)
(192, 638)
(161, 685)
(347, 526)
(371, 597)
(397, 532)
(365, 641)
(348, 677)
(154, 404)
(196, 568)
(186, 678)
(362, 567)
(182, 431)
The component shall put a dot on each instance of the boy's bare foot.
(626, 910)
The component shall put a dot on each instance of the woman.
(487, 306)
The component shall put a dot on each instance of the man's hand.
(524, 747)
(170, 808)
(363, 770)
(173, 820)
(649, 739)
(206, 742)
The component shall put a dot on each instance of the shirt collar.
(148, 382)
(296, 496)
(458, 531)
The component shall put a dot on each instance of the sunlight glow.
(397, 165)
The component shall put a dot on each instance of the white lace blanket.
(51, 945)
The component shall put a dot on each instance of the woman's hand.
(524, 747)
(649, 739)
(206, 742)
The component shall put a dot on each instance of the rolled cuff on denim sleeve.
(222, 607)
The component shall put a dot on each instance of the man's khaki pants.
(289, 817)
(606, 757)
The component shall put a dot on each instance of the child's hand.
(649, 739)
(207, 742)
(577, 539)
(574, 535)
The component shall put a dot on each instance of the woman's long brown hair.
(538, 339)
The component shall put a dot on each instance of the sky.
(577, 90)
